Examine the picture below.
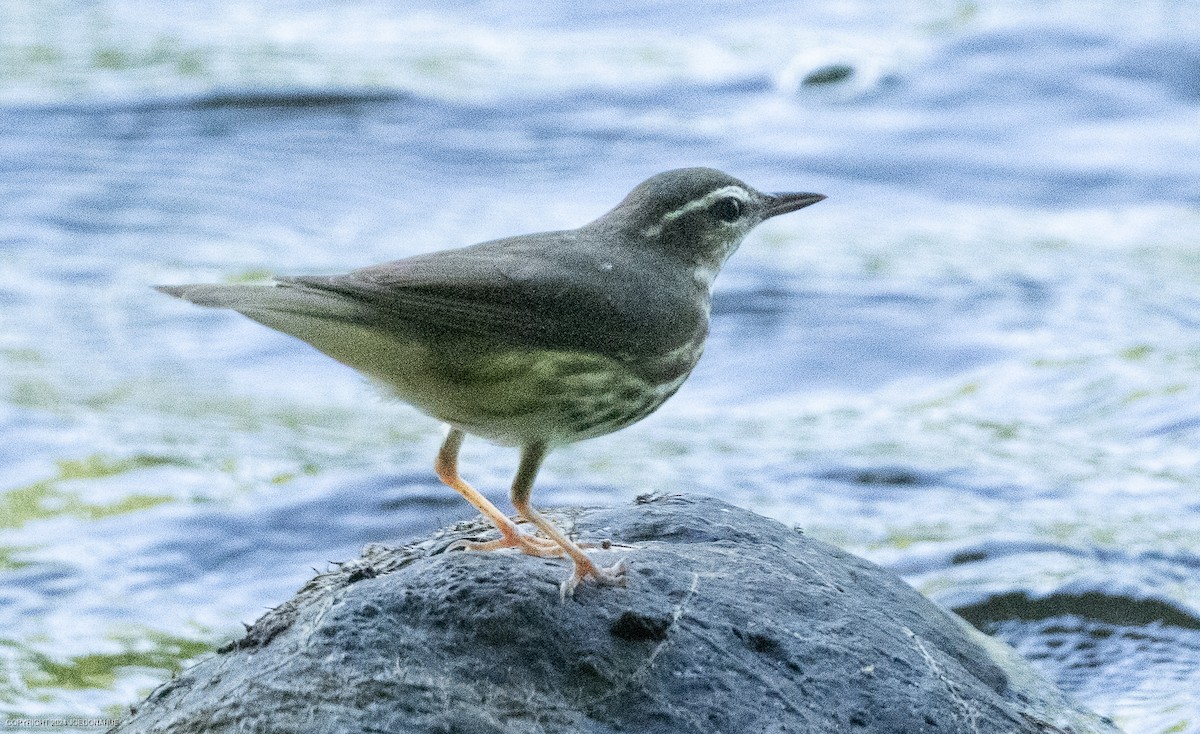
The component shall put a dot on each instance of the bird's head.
(698, 214)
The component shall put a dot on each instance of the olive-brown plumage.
(533, 341)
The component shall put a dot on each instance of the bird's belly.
(510, 395)
(520, 396)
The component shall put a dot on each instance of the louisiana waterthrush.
(533, 341)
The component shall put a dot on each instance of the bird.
(534, 341)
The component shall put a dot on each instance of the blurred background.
(977, 363)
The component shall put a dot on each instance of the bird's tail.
(260, 301)
(339, 326)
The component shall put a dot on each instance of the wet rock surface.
(729, 622)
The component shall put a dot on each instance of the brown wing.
(540, 291)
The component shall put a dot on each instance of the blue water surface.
(976, 363)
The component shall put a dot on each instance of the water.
(977, 363)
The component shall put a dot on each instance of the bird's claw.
(614, 575)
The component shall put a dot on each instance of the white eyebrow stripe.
(737, 192)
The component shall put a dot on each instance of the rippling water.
(977, 363)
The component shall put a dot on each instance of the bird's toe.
(613, 575)
(528, 544)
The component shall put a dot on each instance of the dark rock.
(730, 622)
(830, 74)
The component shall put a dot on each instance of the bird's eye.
(728, 209)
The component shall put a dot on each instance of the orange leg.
(531, 461)
(510, 537)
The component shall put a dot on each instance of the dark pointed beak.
(783, 203)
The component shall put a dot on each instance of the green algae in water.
(100, 670)
(1137, 353)
(45, 498)
(10, 558)
(902, 538)
(35, 393)
(140, 649)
